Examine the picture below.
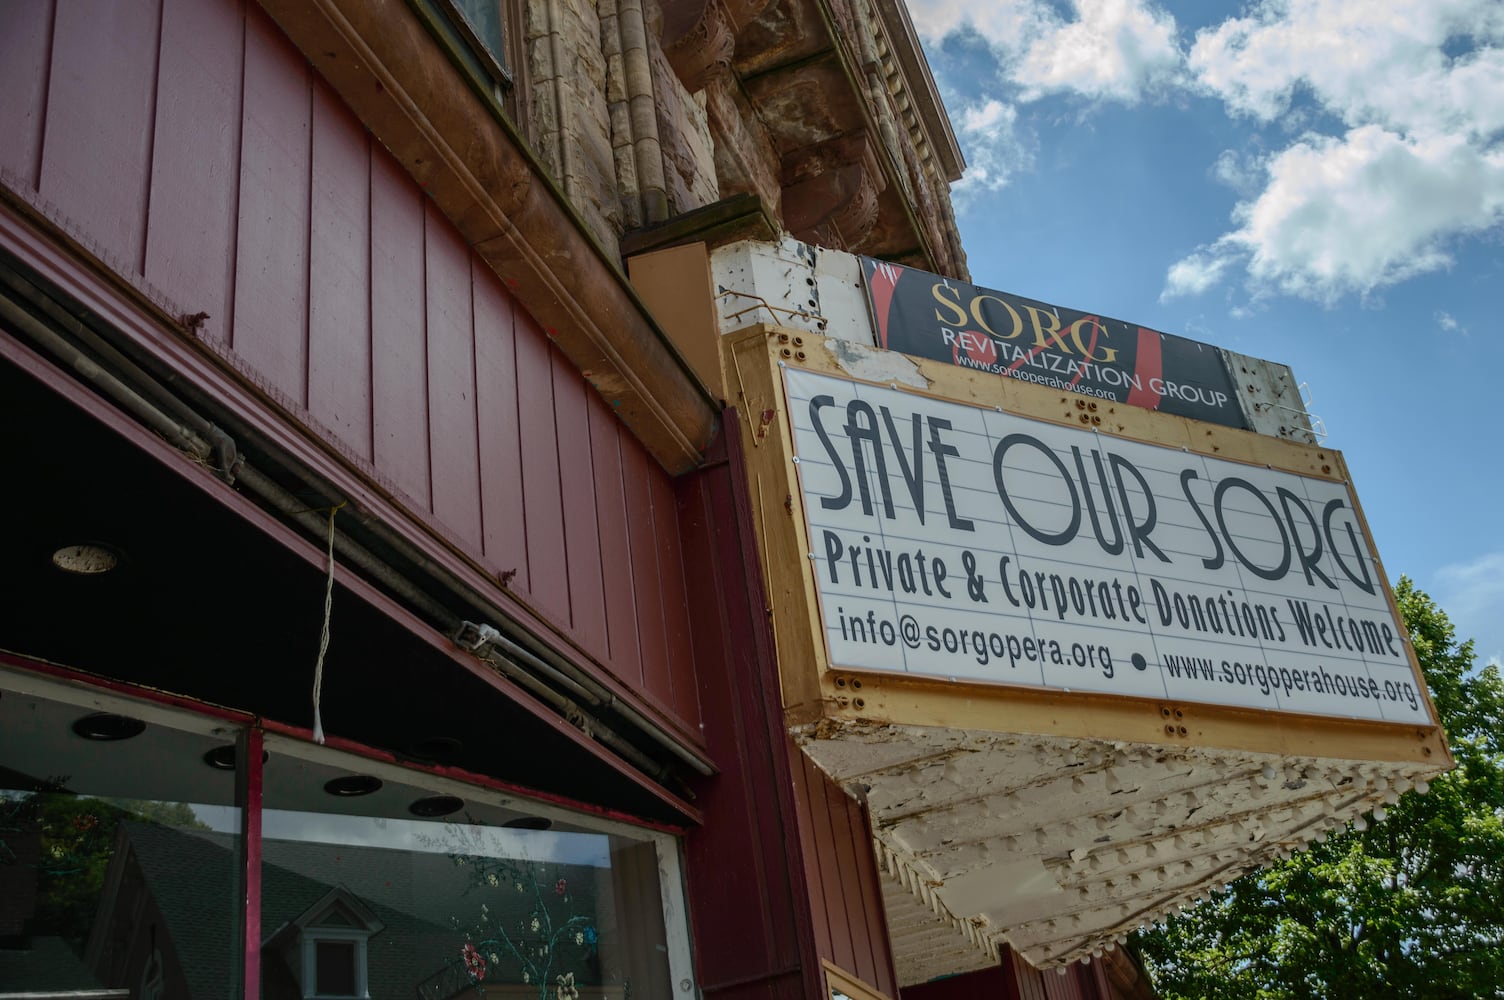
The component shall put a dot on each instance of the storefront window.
(376, 882)
(122, 874)
(119, 849)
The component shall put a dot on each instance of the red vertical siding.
(239, 186)
(548, 576)
(842, 874)
(339, 288)
(399, 332)
(683, 698)
(25, 51)
(271, 273)
(96, 156)
(818, 844)
(190, 236)
(502, 509)
(616, 551)
(453, 434)
(587, 598)
(744, 873)
(637, 475)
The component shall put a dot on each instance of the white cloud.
(1418, 86)
(1108, 50)
(1195, 274)
(1447, 321)
(1115, 50)
(994, 149)
(1366, 210)
(1472, 595)
(1004, 24)
(1381, 62)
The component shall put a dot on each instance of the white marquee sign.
(956, 541)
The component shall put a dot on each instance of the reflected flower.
(474, 964)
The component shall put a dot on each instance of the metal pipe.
(557, 668)
(129, 400)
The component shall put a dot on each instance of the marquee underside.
(1061, 847)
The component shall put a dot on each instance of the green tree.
(1409, 907)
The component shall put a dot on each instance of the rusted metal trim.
(402, 85)
(44, 250)
(306, 550)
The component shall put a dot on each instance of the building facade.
(391, 606)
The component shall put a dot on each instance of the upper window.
(486, 39)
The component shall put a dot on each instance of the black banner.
(928, 316)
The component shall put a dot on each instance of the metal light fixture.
(436, 805)
(350, 786)
(222, 758)
(86, 559)
(107, 727)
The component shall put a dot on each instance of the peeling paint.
(873, 365)
(1062, 846)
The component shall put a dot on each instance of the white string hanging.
(318, 666)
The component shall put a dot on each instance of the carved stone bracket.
(699, 37)
(830, 194)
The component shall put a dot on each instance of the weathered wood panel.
(195, 180)
(399, 333)
(25, 51)
(683, 698)
(339, 287)
(842, 873)
(616, 552)
(743, 869)
(270, 334)
(548, 577)
(638, 471)
(453, 430)
(587, 596)
(96, 155)
(239, 186)
(500, 448)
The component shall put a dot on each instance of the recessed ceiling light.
(108, 727)
(351, 785)
(223, 758)
(437, 805)
(528, 823)
(86, 559)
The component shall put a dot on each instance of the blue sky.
(1315, 182)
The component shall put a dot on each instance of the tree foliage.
(1409, 907)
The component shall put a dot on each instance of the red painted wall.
(190, 147)
(782, 875)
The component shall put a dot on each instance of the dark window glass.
(119, 854)
(484, 17)
(336, 968)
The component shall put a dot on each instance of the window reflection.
(473, 904)
(118, 866)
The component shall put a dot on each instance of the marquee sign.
(954, 541)
(929, 316)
